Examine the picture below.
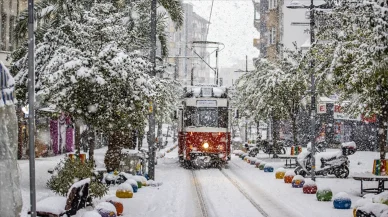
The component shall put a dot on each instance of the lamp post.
(312, 65)
(151, 120)
(31, 102)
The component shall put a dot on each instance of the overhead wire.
(208, 25)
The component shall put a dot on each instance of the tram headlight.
(206, 145)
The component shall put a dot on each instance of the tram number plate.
(207, 103)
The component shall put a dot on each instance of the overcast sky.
(231, 24)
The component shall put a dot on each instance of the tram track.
(201, 199)
(245, 194)
(204, 205)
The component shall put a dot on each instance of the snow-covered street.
(240, 189)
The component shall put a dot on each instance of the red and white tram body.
(203, 126)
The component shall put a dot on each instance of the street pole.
(313, 109)
(31, 103)
(151, 121)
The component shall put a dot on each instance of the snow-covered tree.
(94, 67)
(275, 90)
(354, 54)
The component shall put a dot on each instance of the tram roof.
(205, 91)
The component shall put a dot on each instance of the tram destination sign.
(207, 103)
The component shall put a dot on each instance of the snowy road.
(238, 190)
(221, 197)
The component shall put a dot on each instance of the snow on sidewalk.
(294, 200)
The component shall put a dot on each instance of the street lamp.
(297, 5)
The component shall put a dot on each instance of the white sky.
(231, 24)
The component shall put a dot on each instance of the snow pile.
(376, 208)
(302, 157)
(298, 178)
(125, 187)
(93, 213)
(362, 202)
(381, 198)
(106, 207)
(281, 169)
(131, 182)
(268, 165)
(349, 144)
(78, 184)
(54, 205)
(310, 183)
(290, 173)
(153, 183)
(218, 91)
(326, 156)
(341, 196)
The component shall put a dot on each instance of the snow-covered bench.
(77, 198)
(289, 158)
(371, 177)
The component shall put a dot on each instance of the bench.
(57, 206)
(289, 159)
(370, 177)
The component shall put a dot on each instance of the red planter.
(310, 189)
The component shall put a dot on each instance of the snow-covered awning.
(7, 86)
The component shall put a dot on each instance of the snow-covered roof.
(306, 44)
(206, 91)
(7, 85)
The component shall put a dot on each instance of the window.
(274, 4)
(270, 4)
(207, 117)
(272, 35)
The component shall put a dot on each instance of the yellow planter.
(124, 194)
(280, 174)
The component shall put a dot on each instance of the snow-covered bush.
(69, 171)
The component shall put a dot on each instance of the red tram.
(204, 127)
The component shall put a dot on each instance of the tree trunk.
(77, 141)
(92, 143)
(382, 132)
(159, 134)
(113, 155)
(258, 131)
(294, 130)
(275, 135)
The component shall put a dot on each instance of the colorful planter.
(298, 181)
(268, 168)
(295, 150)
(280, 173)
(106, 209)
(342, 201)
(262, 165)
(288, 176)
(310, 187)
(324, 194)
(380, 167)
(253, 161)
(119, 207)
(257, 163)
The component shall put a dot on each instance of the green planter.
(261, 166)
(139, 184)
(324, 195)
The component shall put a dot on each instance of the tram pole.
(31, 104)
(151, 120)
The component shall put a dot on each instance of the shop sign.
(321, 109)
(338, 114)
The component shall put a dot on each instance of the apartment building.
(279, 27)
(9, 10)
(182, 52)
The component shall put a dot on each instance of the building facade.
(279, 27)
(182, 51)
(9, 10)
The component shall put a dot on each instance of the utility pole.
(313, 109)
(151, 120)
(312, 77)
(31, 104)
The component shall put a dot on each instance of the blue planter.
(342, 203)
(268, 169)
(296, 184)
(134, 187)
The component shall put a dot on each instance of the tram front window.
(207, 117)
